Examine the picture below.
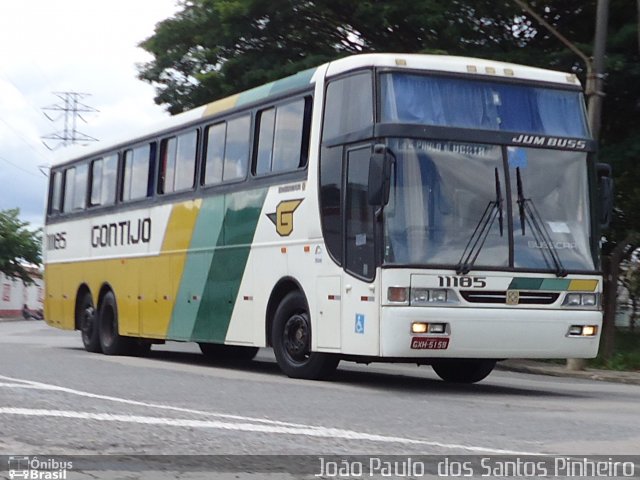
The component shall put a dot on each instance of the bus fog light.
(398, 294)
(437, 328)
(419, 327)
(575, 330)
(583, 330)
(438, 296)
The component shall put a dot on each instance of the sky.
(85, 46)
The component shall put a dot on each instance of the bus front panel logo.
(283, 216)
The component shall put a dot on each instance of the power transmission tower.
(70, 109)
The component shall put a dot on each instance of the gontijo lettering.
(117, 234)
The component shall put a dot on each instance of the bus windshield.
(441, 190)
(480, 104)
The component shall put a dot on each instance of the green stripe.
(555, 284)
(294, 82)
(549, 284)
(206, 235)
(523, 283)
(242, 211)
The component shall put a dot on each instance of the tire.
(87, 321)
(216, 351)
(111, 341)
(463, 371)
(291, 340)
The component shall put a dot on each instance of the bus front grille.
(500, 297)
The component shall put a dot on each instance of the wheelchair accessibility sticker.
(359, 323)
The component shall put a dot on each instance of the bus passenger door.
(360, 328)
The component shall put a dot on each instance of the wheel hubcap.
(296, 338)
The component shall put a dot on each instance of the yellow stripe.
(583, 285)
(160, 279)
(145, 287)
(220, 105)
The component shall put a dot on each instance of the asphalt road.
(55, 398)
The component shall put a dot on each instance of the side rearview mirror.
(380, 167)
(605, 193)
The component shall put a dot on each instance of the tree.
(212, 48)
(19, 246)
(630, 280)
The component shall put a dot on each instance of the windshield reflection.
(441, 193)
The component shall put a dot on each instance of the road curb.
(541, 368)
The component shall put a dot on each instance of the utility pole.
(594, 90)
(71, 109)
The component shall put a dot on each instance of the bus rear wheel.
(291, 340)
(111, 341)
(87, 321)
(216, 351)
(463, 370)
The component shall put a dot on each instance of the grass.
(626, 355)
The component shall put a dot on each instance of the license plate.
(429, 343)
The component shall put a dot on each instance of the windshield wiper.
(492, 211)
(529, 215)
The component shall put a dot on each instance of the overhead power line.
(71, 109)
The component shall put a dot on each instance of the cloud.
(68, 45)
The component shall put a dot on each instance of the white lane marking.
(244, 427)
(251, 423)
(46, 386)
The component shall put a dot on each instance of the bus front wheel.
(87, 321)
(291, 340)
(463, 370)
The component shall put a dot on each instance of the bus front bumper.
(498, 333)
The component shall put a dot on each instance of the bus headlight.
(431, 296)
(588, 300)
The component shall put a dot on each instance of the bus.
(428, 209)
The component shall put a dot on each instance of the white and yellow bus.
(406, 208)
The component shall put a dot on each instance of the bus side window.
(178, 162)
(56, 193)
(67, 194)
(348, 105)
(138, 172)
(95, 197)
(103, 180)
(236, 152)
(109, 179)
(81, 186)
(214, 157)
(167, 173)
(283, 137)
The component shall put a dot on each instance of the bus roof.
(441, 63)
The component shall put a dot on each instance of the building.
(14, 294)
